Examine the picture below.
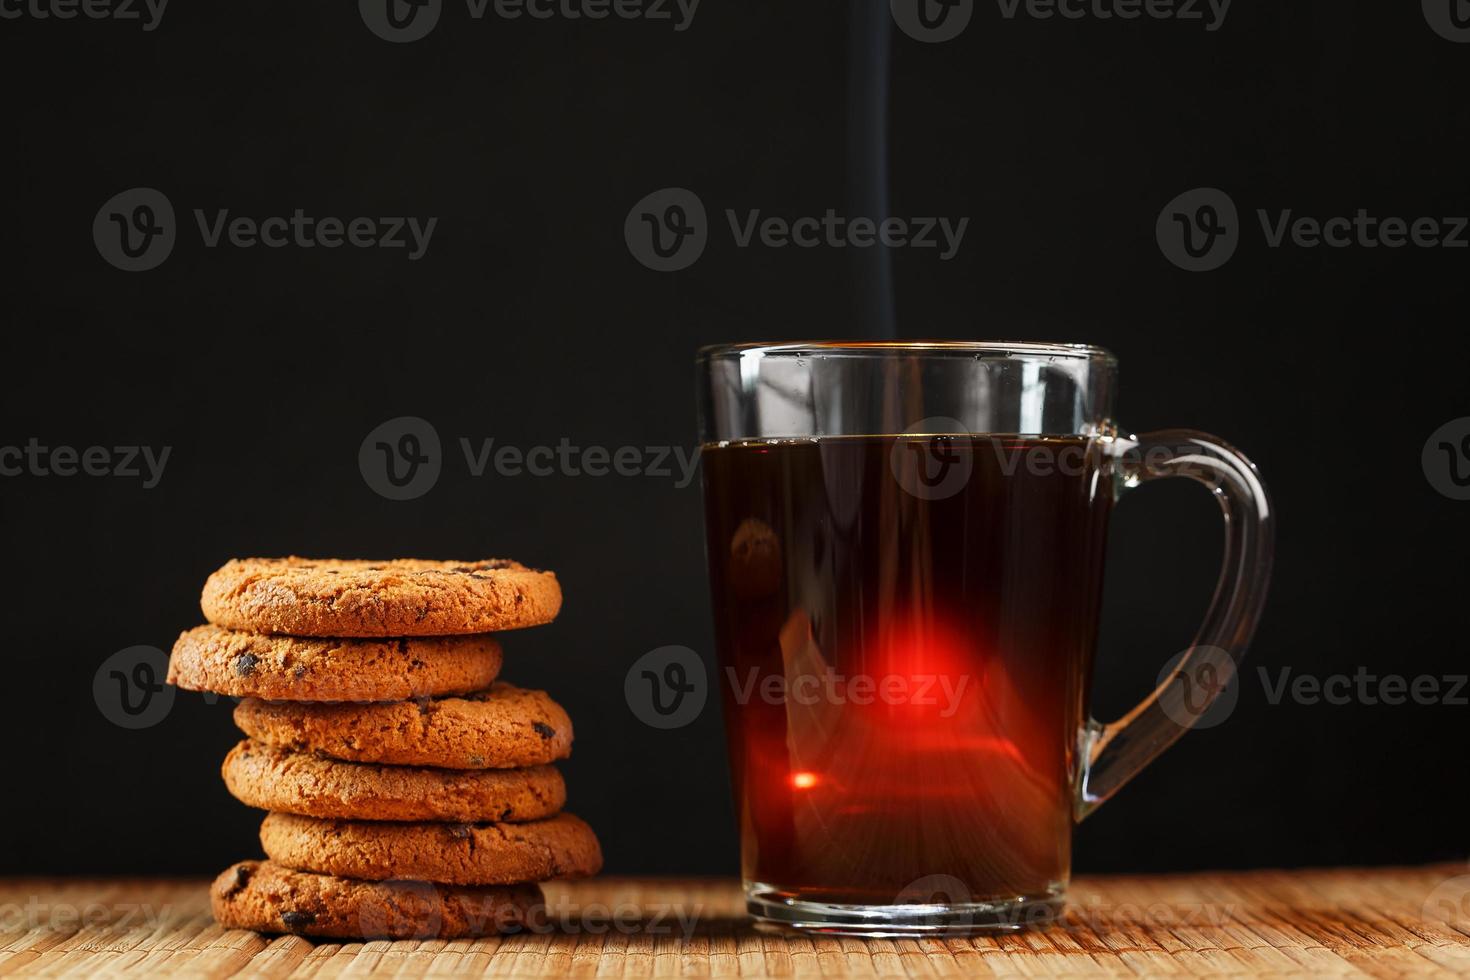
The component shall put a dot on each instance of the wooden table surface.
(1409, 922)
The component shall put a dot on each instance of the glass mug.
(905, 545)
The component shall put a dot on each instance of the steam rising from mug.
(867, 153)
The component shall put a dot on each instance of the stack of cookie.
(411, 794)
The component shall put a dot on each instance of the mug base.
(781, 911)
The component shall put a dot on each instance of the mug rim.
(878, 348)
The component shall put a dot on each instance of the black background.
(529, 321)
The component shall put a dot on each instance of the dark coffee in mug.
(905, 544)
(905, 628)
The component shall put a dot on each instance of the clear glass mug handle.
(1111, 754)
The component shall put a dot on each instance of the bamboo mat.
(1381, 923)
